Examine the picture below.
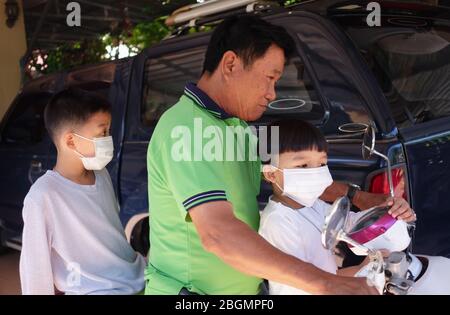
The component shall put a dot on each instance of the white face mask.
(305, 185)
(104, 151)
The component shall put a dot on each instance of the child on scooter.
(294, 216)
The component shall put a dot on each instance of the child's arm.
(36, 274)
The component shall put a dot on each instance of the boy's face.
(97, 126)
(299, 159)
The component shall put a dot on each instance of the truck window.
(25, 124)
(411, 64)
(164, 81)
(166, 76)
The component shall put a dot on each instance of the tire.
(139, 238)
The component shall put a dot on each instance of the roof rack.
(214, 10)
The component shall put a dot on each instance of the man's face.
(252, 88)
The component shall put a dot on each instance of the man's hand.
(384, 252)
(351, 271)
(365, 200)
(400, 209)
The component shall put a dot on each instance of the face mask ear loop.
(83, 137)
(78, 153)
(279, 169)
(279, 187)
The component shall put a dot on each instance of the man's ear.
(229, 63)
(269, 173)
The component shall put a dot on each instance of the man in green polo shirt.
(204, 214)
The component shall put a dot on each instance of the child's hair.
(72, 107)
(298, 135)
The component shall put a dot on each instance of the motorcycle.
(375, 230)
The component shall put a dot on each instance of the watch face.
(352, 191)
(355, 186)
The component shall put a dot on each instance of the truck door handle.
(35, 168)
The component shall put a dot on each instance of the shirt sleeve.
(36, 274)
(190, 182)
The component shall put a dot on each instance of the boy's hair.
(298, 135)
(72, 107)
(249, 37)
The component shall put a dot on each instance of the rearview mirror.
(335, 222)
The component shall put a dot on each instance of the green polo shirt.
(189, 162)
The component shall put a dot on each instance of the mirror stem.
(389, 175)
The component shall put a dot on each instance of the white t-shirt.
(297, 232)
(73, 239)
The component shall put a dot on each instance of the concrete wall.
(12, 48)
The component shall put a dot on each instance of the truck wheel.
(137, 233)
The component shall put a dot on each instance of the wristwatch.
(352, 189)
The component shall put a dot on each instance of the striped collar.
(203, 100)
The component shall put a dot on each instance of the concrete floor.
(9, 273)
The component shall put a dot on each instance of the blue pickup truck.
(345, 74)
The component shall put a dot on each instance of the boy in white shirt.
(73, 241)
(294, 216)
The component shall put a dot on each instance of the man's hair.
(249, 37)
(72, 107)
(298, 135)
